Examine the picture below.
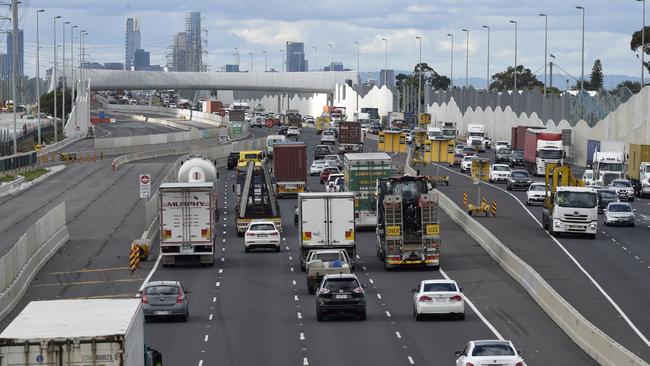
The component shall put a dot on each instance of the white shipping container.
(186, 214)
(327, 219)
(66, 330)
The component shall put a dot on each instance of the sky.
(265, 25)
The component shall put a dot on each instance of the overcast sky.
(257, 25)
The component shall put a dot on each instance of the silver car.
(619, 213)
(624, 189)
(165, 299)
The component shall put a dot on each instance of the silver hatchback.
(165, 299)
(619, 213)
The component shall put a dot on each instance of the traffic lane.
(244, 302)
(93, 263)
(522, 234)
(127, 128)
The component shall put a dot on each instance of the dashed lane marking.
(220, 270)
(214, 299)
(399, 336)
(218, 284)
(371, 281)
(299, 315)
(379, 296)
(205, 339)
(302, 336)
(200, 362)
(411, 360)
(305, 361)
(210, 317)
(387, 313)
(295, 297)
(293, 282)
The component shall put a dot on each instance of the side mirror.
(187, 291)
(364, 285)
(414, 291)
(138, 295)
(460, 289)
(457, 353)
(520, 352)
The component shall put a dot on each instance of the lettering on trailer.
(186, 203)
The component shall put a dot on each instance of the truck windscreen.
(550, 154)
(577, 199)
(610, 167)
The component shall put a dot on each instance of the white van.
(272, 140)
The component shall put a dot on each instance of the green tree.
(635, 44)
(505, 80)
(47, 103)
(633, 86)
(596, 82)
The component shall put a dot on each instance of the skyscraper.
(132, 41)
(7, 62)
(296, 57)
(141, 60)
(187, 50)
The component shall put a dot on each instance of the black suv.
(503, 155)
(233, 159)
(516, 158)
(605, 197)
(321, 150)
(519, 179)
(340, 294)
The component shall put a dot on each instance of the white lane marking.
(364, 268)
(358, 256)
(302, 336)
(293, 282)
(411, 360)
(223, 249)
(214, 299)
(224, 232)
(387, 313)
(614, 240)
(153, 269)
(399, 336)
(205, 339)
(371, 281)
(287, 248)
(471, 305)
(624, 248)
(291, 269)
(637, 257)
(295, 297)
(299, 315)
(285, 239)
(603, 232)
(200, 362)
(305, 361)
(220, 270)
(574, 260)
(379, 296)
(218, 284)
(223, 240)
(210, 317)
(290, 258)
(223, 259)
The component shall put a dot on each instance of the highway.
(618, 260)
(254, 309)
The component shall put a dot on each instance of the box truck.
(290, 168)
(361, 172)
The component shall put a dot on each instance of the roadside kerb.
(4, 188)
(602, 348)
(30, 253)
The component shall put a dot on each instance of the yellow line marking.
(87, 282)
(92, 270)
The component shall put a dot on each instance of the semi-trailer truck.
(361, 172)
(350, 139)
(188, 213)
(542, 147)
(609, 162)
(476, 133)
(290, 168)
(449, 130)
(638, 168)
(256, 199)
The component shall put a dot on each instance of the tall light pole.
(74, 84)
(56, 83)
(358, 72)
(64, 74)
(330, 45)
(419, 38)
(283, 68)
(385, 62)
(467, 59)
(237, 57)
(265, 61)
(251, 53)
(451, 73)
(514, 89)
(545, 49)
(643, 46)
(38, 78)
(582, 73)
(315, 58)
(14, 64)
(487, 79)
(82, 56)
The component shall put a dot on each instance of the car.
(469, 150)
(408, 134)
(374, 128)
(340, 294)
(322, 262)
(283, 130)
(258, 121)
(330, 183)
(321, 151)
(438, 297)
(605, 197)
(262, 234)
(224, 139)
(339, 184)
(624, 189)
(325, 173)
(466, 164)
(317, 167)
(517, 158)
(458, 158)
(499, 172)
(328, 137)
(619, 213)
(293, 131)
(536, 193)
(365, 127)
(519, 179)
(233, 159)
(308, 119)
(501, 145)
(459, 149)
(503, 155)
(334, 160)
(490, 352)
(165, 299)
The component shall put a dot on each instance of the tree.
(596, 82)
(47, 103)
(635, 44)
(633, 86)
(505, 80)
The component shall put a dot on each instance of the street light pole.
(14, 65)
(315, 58)
(330, 46)
(467, 59)
(643, 46)
(419, 38)
(64, 74)
(545, 50)
(385, 62)
(38, 78)
(265, 61)
(582, 74)
(358, 78)
(514, 89)
(451, 78)
(487, 79)
(251, 53)
(56, 84)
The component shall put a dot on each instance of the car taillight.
(425, 298)
(520, 363)
(275, 233)
(358, 290)
(469, 364)
(145, 298)
(455, 298)
(180, 298)
(250, 234)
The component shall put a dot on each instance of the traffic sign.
(145, 185)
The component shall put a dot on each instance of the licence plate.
(161, 312)
(261, 236)
(341, 296)
(441, 299)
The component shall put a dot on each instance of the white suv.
(499, 172)
(328, 137)
(466, 164)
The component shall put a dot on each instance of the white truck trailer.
(107, 332)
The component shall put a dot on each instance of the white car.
(536, 193)
(438, 297)
(624, 189)
(258, 122)
(490, 352)
(466, 164)
(459, 149)
(588, 177)
(328, 137)
(500, 145)
(334, 160)
(262, 234)
(330, 184)
(619, 213)
(317, 167)
(499, 172)
(293, 131)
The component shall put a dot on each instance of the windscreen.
(335, 284)
(608, 194)
(501, 168)
(493, 350)
(610, 167)
(576, 199)
(619, 208)
(537, 187)
(162, 290)
(550, 154)
(327, 257)
(505, 151)
(621, 183)
(439, 287)
(520, 175)
(647, 169)
(262, 227)
(518, 154)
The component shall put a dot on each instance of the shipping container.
(637, 154)
(361, 172)
(542, 147)
(518, 136)
(290, 167)
(350, 139)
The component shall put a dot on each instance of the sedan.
(469, 150)
(499, 172)
(283, 130)
(624, 189)
(321, 151)
(459, 149)
(340, 294)
(490, 352)
(262, 234)
(466, 164)
(330, 184)
(293, 131)
(536, 193)
(334, 160)
(325, 173)
(438, 297)
(519, 179)
(166, 299)
(619, 213)
(317, 167)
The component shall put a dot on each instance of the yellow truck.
(250, 155)
(322, 123)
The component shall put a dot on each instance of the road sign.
(145, 185)
(236, 128)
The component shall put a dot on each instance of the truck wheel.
(185, 317)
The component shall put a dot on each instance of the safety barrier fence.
(28, 255)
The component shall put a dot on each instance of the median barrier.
(6, 187)
(30, 253)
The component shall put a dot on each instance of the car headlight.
(592, 226)
(557, 224)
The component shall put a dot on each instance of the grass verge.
(30, 176)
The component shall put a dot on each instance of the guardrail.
(596, 343)
(23, 261)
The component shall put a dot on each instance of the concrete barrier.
(23, 261)
(6, 187)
